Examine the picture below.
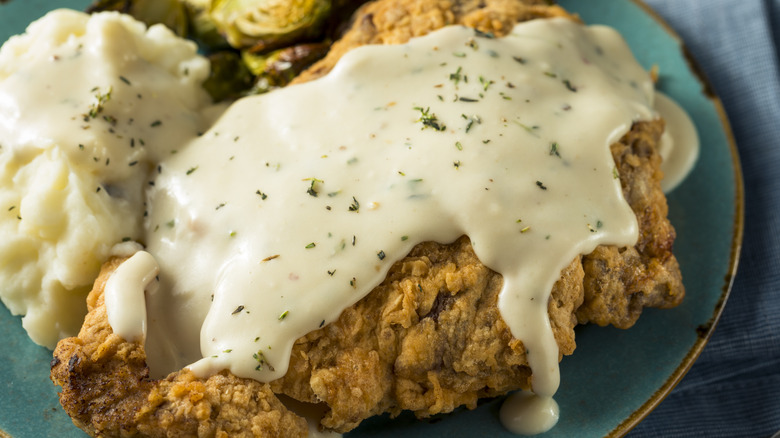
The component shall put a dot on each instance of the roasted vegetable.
(262, 25)
(168, 12)
(254, 45)
(202, 27)
(229, 78)
(278, 68)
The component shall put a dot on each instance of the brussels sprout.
(168, 12)
(278, 68)
(267, 24)
(202, 27)
(229, 77)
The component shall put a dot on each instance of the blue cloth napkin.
(733, 389)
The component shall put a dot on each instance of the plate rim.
(705, 331)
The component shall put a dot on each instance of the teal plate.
(616, 377)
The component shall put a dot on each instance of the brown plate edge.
(705, 331)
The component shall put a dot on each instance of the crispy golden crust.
(107, 391)
(396, 21)
(620, 282)
(428, 339)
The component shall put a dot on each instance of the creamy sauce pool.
(295, 204)
(679, 146)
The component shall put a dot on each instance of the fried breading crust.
(107, 391)
(428, 339)
(396, 21)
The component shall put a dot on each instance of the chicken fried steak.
(428, 339)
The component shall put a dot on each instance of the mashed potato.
(88, 106)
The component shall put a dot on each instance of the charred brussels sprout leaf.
(168, 12)
(202, 27)
(278, 68)
(229, 76)
(267, 24)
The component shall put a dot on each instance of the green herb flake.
(470, 121)
(554, 149)
(192, 169)
(381, 255)
(262, 195)
(459, 145)
(485, 83)
(311, 245)
(125, 80)
(541, 185)
(355, 206)
(529, 129)
(156, 123)
(100, 101)
(456, 77)
(404, 238)
(429, 120)
(238, 310)
(261, 361)
(284, 315)
(312, 190)
(488, 35)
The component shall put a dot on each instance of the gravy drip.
(295, 204)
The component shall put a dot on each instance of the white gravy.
(125, 295)
(295, 204)
(526, 413)
(679, 143)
